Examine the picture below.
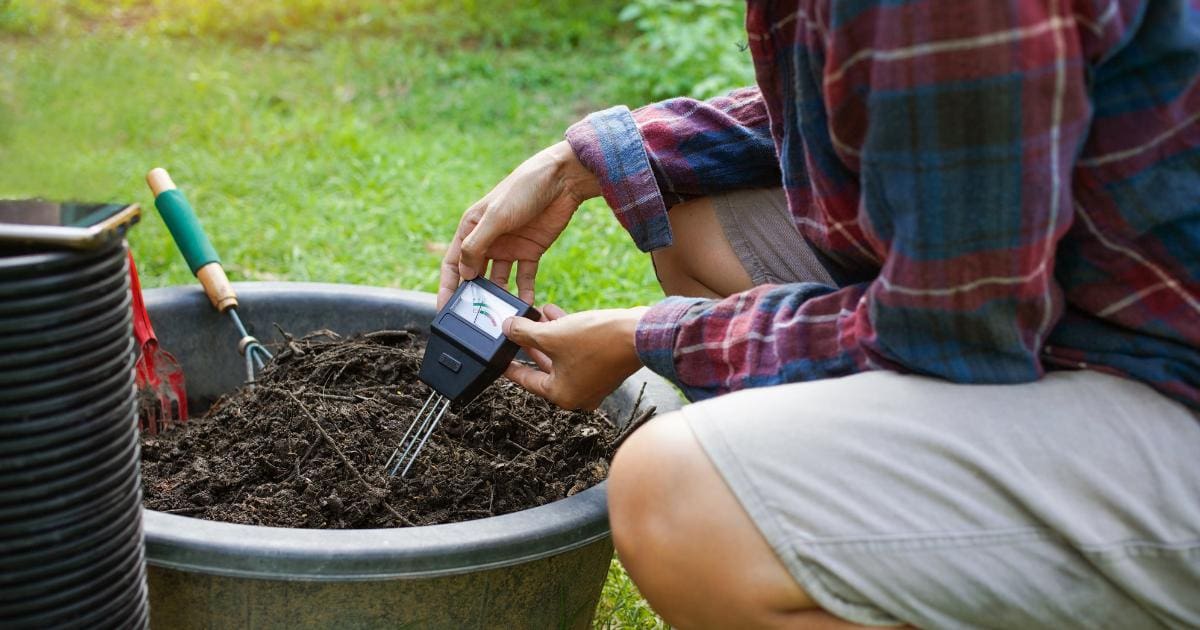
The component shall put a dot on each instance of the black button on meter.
(467, 349)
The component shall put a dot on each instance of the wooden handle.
(159, 180)
(217, 286)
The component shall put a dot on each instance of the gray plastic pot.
(539, 568)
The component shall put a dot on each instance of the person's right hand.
(517, 221)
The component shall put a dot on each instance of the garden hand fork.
(202, 258)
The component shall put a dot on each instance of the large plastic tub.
(539, 568)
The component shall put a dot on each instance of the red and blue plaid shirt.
(1019, 179)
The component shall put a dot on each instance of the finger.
(476, 243)
(553, 312)
(523, 332)
(526, 273)
(449, 279)
(541, 359)
(534, 381)
(501, 269)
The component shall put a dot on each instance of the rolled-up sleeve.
(651, 158)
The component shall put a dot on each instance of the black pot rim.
(85, 603)
(66, 569)
(49, 283)
(18, 345)
(81, 304)
(47, 464)
(28, 265)
(33, 410)
(70, 339)
(64, 506)
(72, 529)
(70, 382)
(65, 306)
(135, 613)
(73, 361)
(27, 434)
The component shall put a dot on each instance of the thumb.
(523, 332)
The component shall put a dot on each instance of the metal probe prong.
(426, 438)
(412, 442)
(409, 446)
(423, 419)
(412, 426)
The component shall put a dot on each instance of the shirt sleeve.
(656, 156)
(962, 151)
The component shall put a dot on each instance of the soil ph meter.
(467, 350)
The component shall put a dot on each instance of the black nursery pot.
(71, 550)
(538, 568)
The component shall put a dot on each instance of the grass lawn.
(319, 145)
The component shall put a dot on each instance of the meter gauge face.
(467, 349)
(483, 310)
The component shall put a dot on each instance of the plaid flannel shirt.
(1020, 179)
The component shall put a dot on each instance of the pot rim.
(251, 551)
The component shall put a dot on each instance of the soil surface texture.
(306, 446)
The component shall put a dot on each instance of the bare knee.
(639, 481)
(687, 543)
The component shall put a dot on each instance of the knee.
(684, 540)
(636, 488)
(644, 530)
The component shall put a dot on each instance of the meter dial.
(483, 310)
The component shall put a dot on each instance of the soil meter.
(467, 350)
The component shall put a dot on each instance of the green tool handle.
(191, 240)
(185, 228)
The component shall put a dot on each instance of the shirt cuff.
(655, 336)
(609, 144)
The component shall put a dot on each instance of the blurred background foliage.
(549, 23)
(695, 48)
(672, 47)
(340, 140)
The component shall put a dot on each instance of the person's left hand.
(583, 357)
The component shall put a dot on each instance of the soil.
(306, 446)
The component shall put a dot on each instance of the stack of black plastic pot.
(71, 549)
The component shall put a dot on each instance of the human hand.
(517, 221)
(581, 357)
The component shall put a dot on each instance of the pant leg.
(1070, 502)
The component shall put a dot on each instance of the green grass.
(349, 161)
(319, 141)
(621, 605)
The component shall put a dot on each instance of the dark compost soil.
(269, 455)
